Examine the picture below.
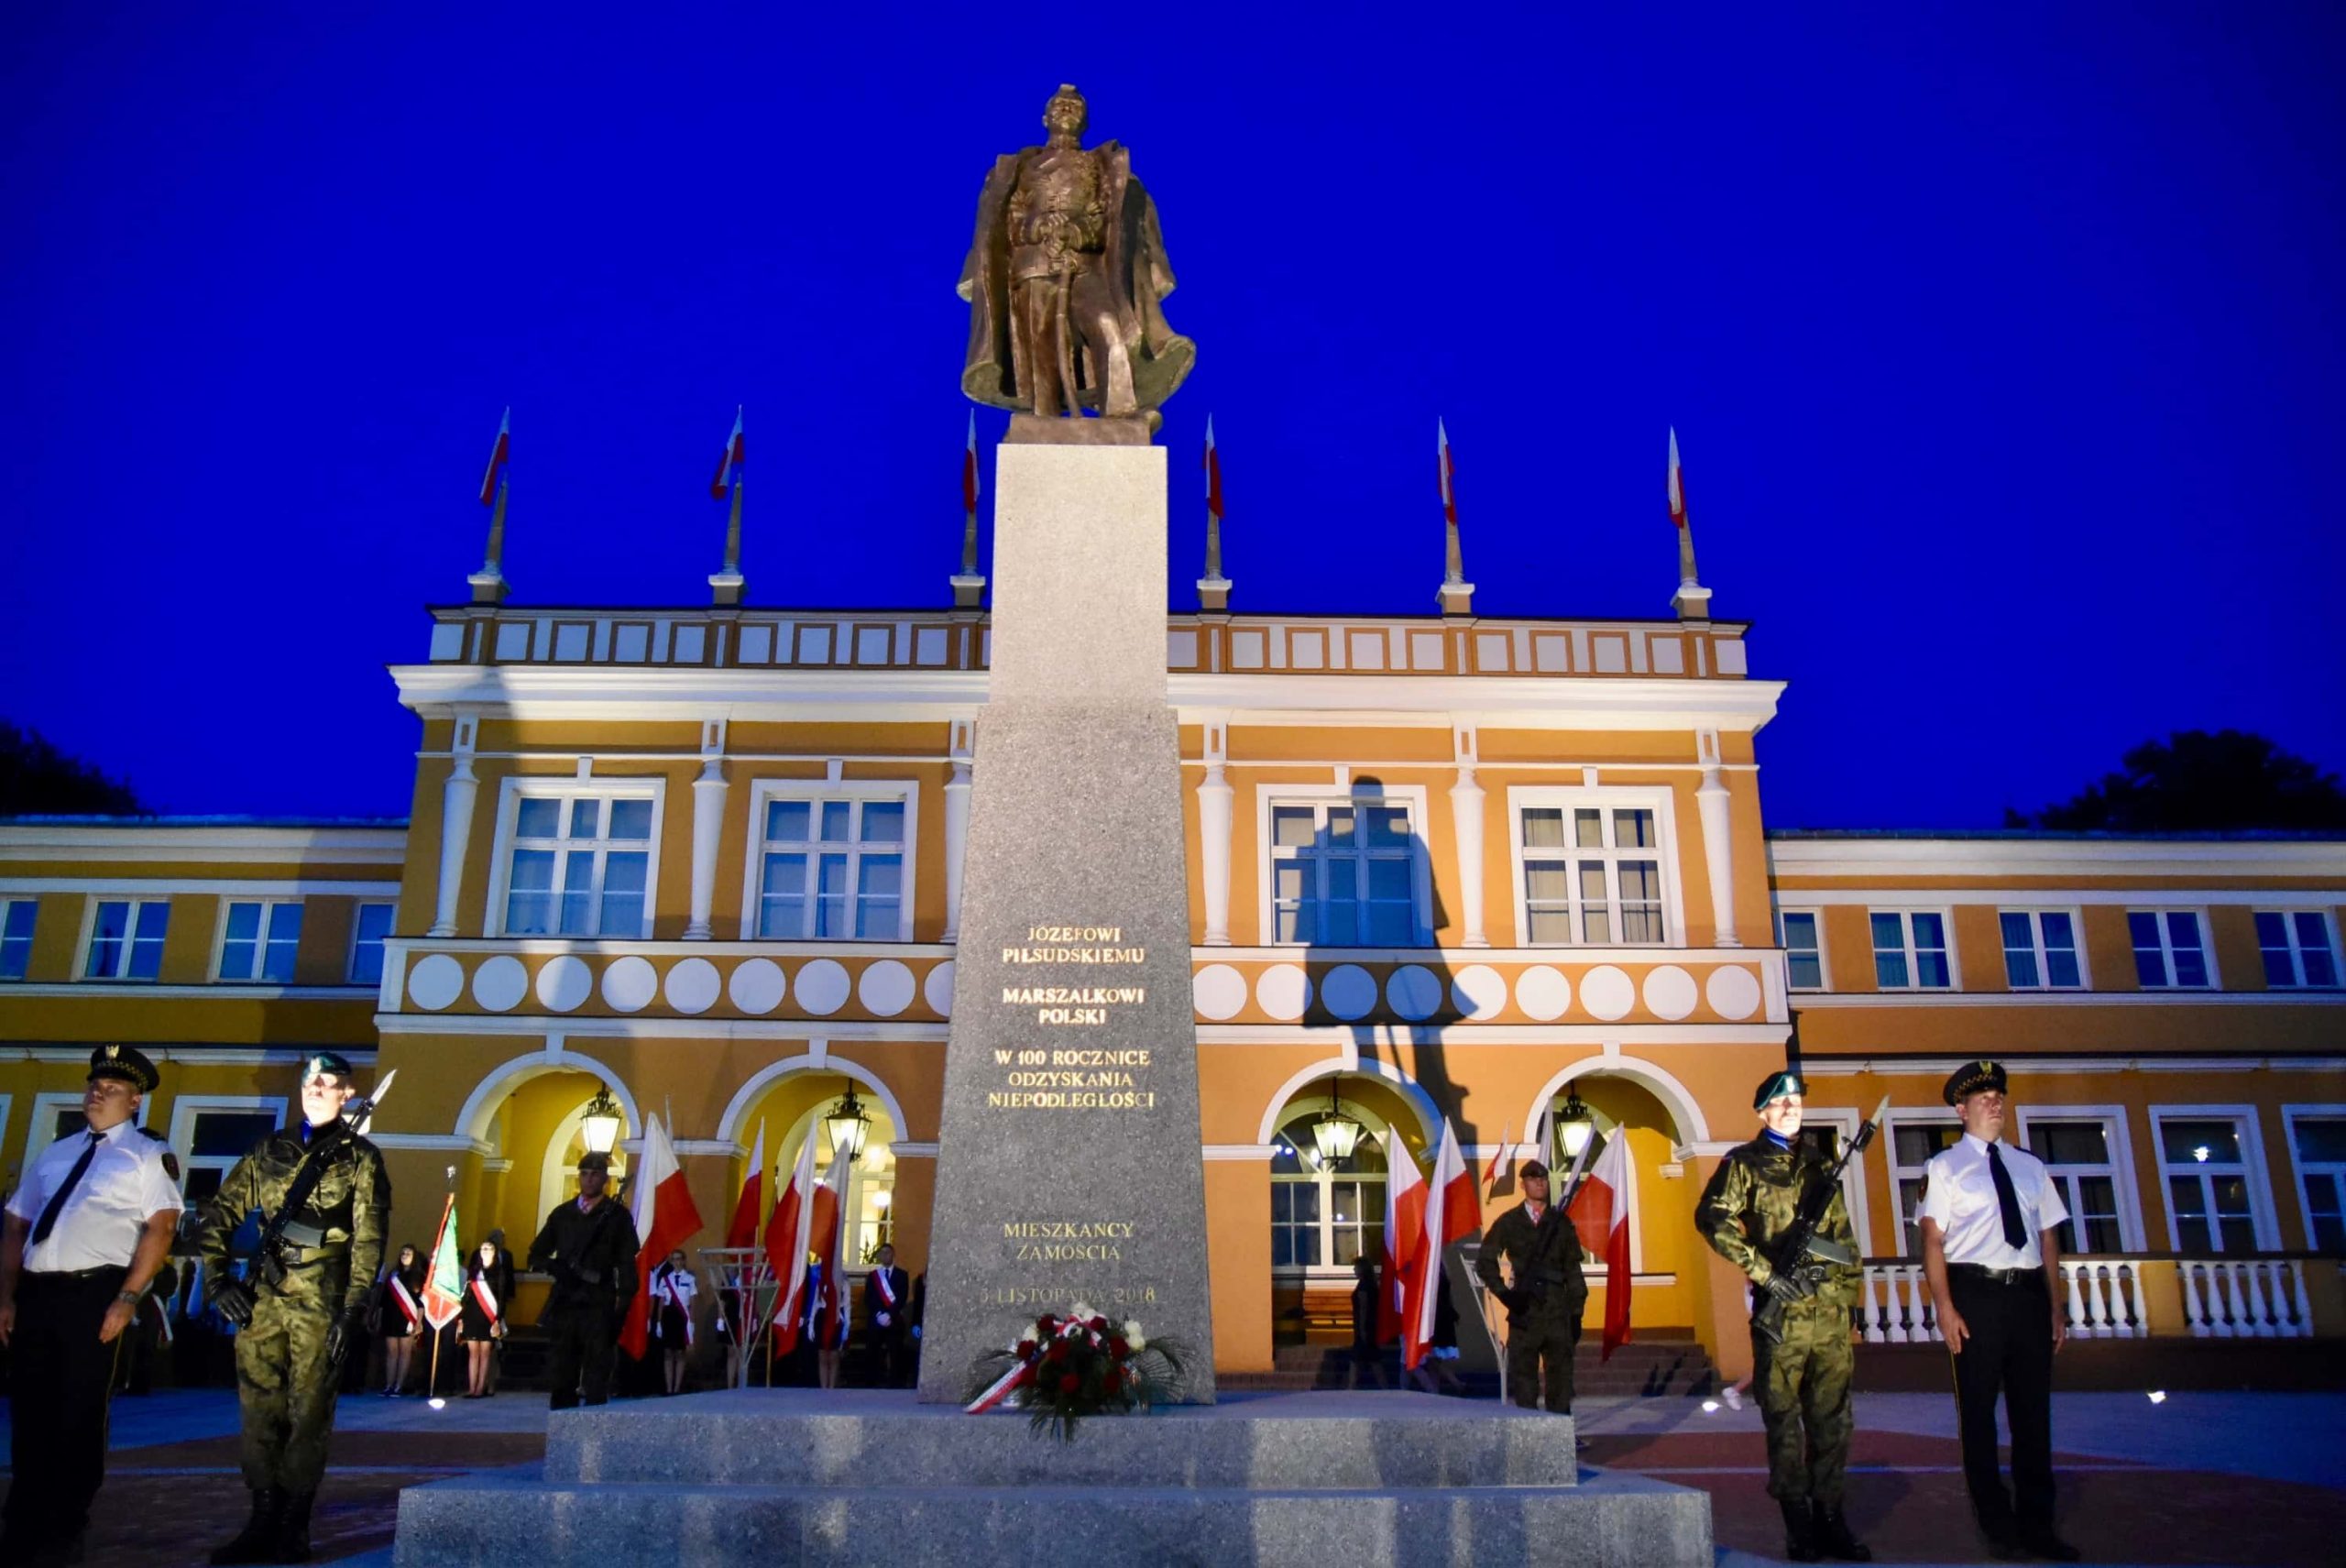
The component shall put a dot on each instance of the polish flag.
(830, 1234)
(666, 1216)
(1405, 1223)
(1677, 484)
(1600, 1212)
(1499, 1162)
(729, 464)
(497, 456)
(787, 1231)
(1452, 1214)
(748, 1207)
(1214, 473)
(969, 469)
(1448, 473)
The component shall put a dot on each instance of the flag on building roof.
(1447, 472)
(1214, 473)
(444, 1287)
(498, 453)
(969, 469)
(728, 463)
(666, 1216)
(1677, 484)
(1600, 1212)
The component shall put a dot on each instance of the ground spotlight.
(2158, 1396)
(1710, 1406)
(438, 1404)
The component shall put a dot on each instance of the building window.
(58, 1114)
(2318, 1142)
(2079, 1157)
(2040, 949)
(127, 939)
(1323, 1218)
(2205, 1160)
(212, 1134)
(581, 864)
(2296, 944)
(17, 935)
(1912, 1145)
(371, 925)
(2170, 952)
(1801, 933)
(1910, 951)
(832, 869)
(258, 940)
(1344, 873)
(1593, 875)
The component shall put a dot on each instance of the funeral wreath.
(1063, 1368)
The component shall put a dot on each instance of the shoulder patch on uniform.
(170, 1165)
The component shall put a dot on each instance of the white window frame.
(1324, 1275)
(2167, 948)
(2297, 953)
(1845, 1125)
(513, 791)
(2290, 1115)
(765, 791)
(1905, 914)
(1412, 796)
(90, 932)
(1912, 1116)
(1661, 800)
(350, 958)
(2262, 1214)
(2036, 914)
(186, 1108)
(260, 939)
(2115, 1129)
(7, 906)
(37, 1133)
(1823, 964)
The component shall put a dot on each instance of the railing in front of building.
(2120, 1298)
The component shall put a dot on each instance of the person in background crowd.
(503, 1281)
(1438, 1373)
(672, 1288)
(84, 1238)
(818, 1305)
(885, 1290)
(913, 1311)
(399, 1317)
(481, 1319)
(729, 1332)
(1365, 1360)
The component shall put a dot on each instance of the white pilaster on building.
(455, 826)
(709, 830)
(957, 821)
(1216, 797)
(1712, 802)
(1467, 828)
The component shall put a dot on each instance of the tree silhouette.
(37, 778)
(2194, 782)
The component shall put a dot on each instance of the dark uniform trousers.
(1803, 1382)
(585, 1333)
(2008, 1352)
(59, 1376)
(1544, 1335)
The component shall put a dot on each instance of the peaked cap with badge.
(1971, 1078)
(127, 1064)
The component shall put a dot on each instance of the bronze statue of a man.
(1066, 281)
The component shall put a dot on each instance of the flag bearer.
(1803, 1377)
(322, 1196)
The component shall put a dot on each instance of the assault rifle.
(1800, 1256)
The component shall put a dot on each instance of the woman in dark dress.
(399, 1307)
(481, 1322)
(672, 1316)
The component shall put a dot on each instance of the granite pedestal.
(859, 1479)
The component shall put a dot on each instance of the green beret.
(593, 1160)
(122, 1062)
(1971, 1078)
(326, 1062)
(1776, 1083)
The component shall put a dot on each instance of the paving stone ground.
(2203, 1478)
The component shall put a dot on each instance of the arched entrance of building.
(796, 1102)
(531, 1114)
(1328, 1206)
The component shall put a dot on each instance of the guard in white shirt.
(1991, 1249)
(85, 1237)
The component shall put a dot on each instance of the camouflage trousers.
(1803, 1389)
(285, 1387)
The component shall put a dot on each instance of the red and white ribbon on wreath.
(407, 1303)
(1017, 1377)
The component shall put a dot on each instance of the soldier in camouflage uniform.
(302, 1308)
(1802, 1378)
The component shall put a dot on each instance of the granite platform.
(860, 1477)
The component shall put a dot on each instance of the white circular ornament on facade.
(1479, 991)
(500, 983)
(565, 983)
(1543, 993)
(435, 982)
(1670, 993)
(756, 986)
(1349, 991)
(1733, 993)
(822, 987)
(1413, 991)
(692, 985)
(1284, 990)
(631, 983)
(1219, 991)
(885, 988)
(937, 989)
(1608, 992)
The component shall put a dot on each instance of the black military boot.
(1833, 1537)
(258, 1542)
(1800, 1530)
(294, 1533)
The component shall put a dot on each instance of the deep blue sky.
(2004, 345)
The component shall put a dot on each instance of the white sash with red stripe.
(407, 1303)
(487, 1300)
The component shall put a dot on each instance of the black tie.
(73, 1178)
(2007, 1201)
